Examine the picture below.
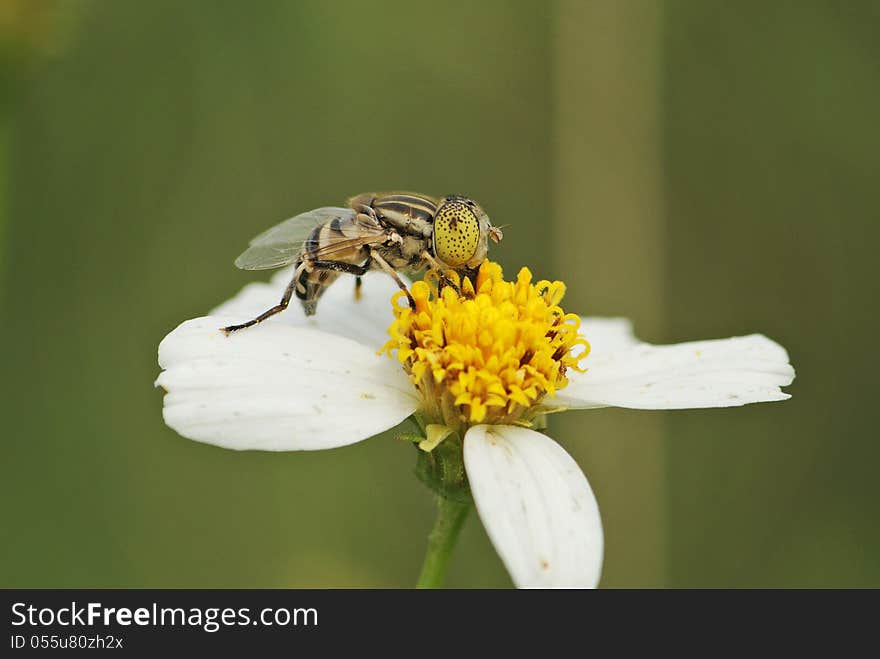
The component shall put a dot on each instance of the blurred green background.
(705, 168)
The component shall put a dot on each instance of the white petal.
(536, 505)
(607, 334)
(365, 321)
(719, 373)
(278, 388)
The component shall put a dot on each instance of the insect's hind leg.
(341, 266)
(278, 308)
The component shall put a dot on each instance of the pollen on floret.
(487, 351)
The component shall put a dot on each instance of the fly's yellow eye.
(456, 233)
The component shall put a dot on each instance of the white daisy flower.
(478, 373)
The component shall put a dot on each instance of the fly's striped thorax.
(409, 213)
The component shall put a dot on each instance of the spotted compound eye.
(456, 233)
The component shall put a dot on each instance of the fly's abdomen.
(334, 242)
(310, 286)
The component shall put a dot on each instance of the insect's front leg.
(441, 271)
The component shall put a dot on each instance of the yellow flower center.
(490, 354)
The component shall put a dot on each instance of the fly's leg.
(341, 266)
(309, 294)
(278, 308)
(393, 273)
(470, 273)
(441, 271)
(311, 266)
(358, 282)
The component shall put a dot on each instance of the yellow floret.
(490, 354)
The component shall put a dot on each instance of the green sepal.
(540, 422)
(442, 469)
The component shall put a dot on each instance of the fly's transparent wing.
(297, 229)
(283, 243)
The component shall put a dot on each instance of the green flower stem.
(441, 541)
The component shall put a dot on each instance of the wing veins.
(285, 242)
